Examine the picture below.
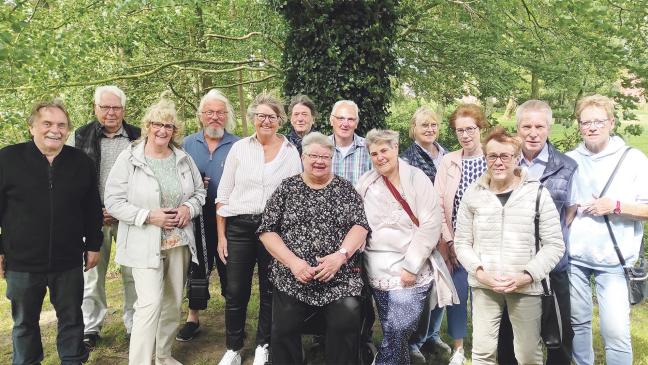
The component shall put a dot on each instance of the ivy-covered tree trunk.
(340, 49)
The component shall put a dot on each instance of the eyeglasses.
(218, 114)
(586, 124)
(157, 125)
(432, 126)
(107, 108)
(261, 117)
(342, 119)
(313, 156)
(468, 130)
(505, 157)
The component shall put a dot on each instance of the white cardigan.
(132, 191)
(501, 239)
(416, 252)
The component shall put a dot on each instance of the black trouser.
(244, 251)
(343, 319)
(198, 271)
(560, 285)
(26, 292)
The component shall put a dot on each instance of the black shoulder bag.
(198, 281)
(636, 276)
(551, 323)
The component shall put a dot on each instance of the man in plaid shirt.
(351, 158)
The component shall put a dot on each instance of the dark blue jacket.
(557, 178)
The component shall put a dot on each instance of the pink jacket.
(446, 183)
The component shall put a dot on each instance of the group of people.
(336, 226)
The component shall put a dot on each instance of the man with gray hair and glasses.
(209, 148)
(350, 158)
(103, 139)
(555, 171)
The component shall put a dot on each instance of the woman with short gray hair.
(400, 258)
(313, 226)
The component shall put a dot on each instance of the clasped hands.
(502, 283)
(328, 266)
(169, 218)
(599, 206)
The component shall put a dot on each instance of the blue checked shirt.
(355, 163)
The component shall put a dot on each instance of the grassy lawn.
(208, 347)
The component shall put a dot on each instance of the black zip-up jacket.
(46, 210)
(88, 139)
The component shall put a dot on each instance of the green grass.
(209, 346)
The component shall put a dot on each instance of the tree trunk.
(510, 108)
(535, 85)
(242, 104)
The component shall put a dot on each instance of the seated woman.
(313, 225)
(154, 189)
(495, 242)
(400, 258)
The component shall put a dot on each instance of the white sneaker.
(457, 357)
(231, 357)
(261, 355)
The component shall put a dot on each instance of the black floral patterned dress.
(313, 223)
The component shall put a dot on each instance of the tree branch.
(242, 83)
(177, 95)
(135, 76)
(241, 38)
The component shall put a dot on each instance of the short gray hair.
(317, 138)
(380, 136)
(350, 103)
(111, 89)
(536, 106)
(215, 94)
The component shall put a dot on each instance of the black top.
(504, 197)
(46, 210)
(313, 223)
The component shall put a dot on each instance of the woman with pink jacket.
(456, 172)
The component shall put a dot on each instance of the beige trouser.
(157, 309)
(525, 312)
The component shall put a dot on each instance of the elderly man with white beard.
(209, 148)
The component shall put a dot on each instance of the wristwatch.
(344, 252)
(617, 209)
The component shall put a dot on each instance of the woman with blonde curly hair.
(154, 190)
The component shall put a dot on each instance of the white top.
(245, 187)
(590, 244)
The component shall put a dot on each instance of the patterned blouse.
(471, 169)
(313, 223)
(170, 195)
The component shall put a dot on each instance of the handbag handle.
(399, 198)
(536, 224)
(617, 250)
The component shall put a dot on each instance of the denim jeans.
(26, 292)
(614, 315)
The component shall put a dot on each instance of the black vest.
(88, 139)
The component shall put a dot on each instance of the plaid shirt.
(355, 163)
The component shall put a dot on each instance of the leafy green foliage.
(338, 49)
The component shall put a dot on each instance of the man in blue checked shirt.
(351, 158)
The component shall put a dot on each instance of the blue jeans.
(399, 311)
(26, 292)
(614, 315)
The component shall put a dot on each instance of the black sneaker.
(188, 331)
(90, 340)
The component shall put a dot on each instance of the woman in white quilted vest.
(495, 242)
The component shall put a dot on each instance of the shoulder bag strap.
(607, 219)
(399, 198)
(536, 223)
(200, 220)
